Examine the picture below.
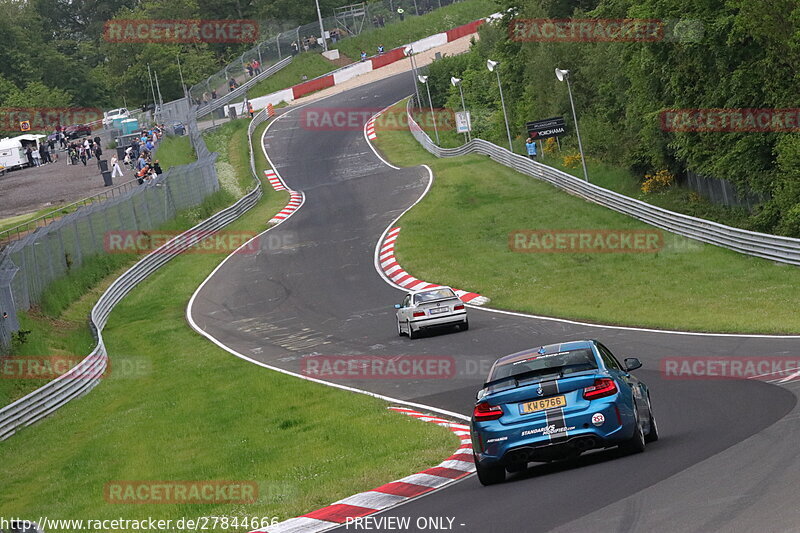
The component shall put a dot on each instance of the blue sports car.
(556, 402)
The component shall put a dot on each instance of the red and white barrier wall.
(358, 69)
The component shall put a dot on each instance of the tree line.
(713, 54)
(55, 55)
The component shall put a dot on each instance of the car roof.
(542, 350)
(429, 289)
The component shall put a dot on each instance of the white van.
(12, 150)
(109, 116)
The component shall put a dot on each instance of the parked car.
(556, 402)
(109, 116)
(430, 308)
(77, 130)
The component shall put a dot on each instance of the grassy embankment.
(686, 285)
(180, 408)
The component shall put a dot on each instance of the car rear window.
(568, 362)
(436, 294)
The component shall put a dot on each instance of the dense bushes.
(715, 54)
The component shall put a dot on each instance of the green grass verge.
(621, 180)
(312, 64)
(687, 286)
(414, 28)
(309, 64)
(175, 150)
(191, 411)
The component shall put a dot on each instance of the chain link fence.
(28, 265)
(287, 43)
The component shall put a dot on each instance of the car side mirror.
(397, 306)
(632, 363)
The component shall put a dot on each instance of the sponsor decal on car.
(598, 419)
(550, 429)
(498, 439)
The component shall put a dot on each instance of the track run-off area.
(727, 458)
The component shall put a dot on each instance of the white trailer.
(12, 150)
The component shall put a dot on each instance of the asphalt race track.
(727, 458)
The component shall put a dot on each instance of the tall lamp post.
(321, 29)
(456, 82)
(492, 66)
(563, 75)
(409, 51)
(424, 80)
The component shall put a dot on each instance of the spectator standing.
(213, 94)
(231, 85)
(363, 56)
(530, 144)
(249, 67)
(157, 168)
(149, 146)
(36, 157)
(115, 170)
(97, 153)
(250, 109)
(295, 48)
(45, 153)
(82, 154)
(380, 49)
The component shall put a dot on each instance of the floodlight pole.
(321, 29)
(565, 74)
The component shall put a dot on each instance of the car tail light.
(458, 307)
(419, 313)
(602, 387)
(483, 411)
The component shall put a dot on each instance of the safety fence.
(46, 253)
(347, 22)
(772, 247)
(209, 106)
(86, 375)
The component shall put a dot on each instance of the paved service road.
(727, 454)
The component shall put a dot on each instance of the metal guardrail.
(85, 375)
(226, 98)
(772, 247)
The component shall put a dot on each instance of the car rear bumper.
(506, 445)
(435, 322)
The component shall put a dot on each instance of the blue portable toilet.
(130, 125)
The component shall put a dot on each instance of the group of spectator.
(38, 155)
(253, 68)
(138, 156)
(84, 150)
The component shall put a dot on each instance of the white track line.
(230, 350)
